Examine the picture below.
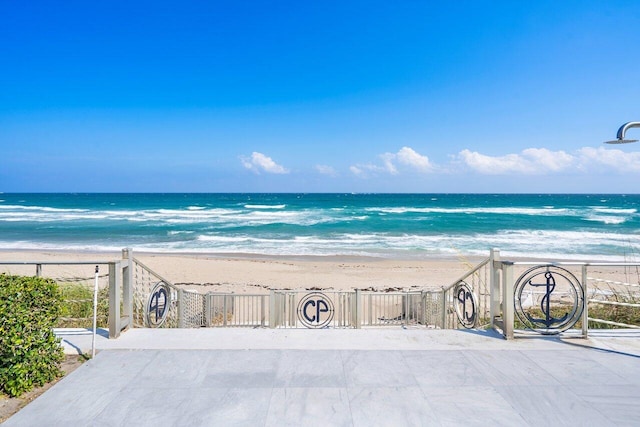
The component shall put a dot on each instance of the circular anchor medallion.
(465, 305)
(158, 305)
(548, 299)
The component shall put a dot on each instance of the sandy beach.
(255, 274)
(251, 273)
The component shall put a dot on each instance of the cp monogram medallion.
(315, 310)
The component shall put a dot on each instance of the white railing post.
(585, 308)
(95, 313)
(494, 285)
(443, 309)
(357, 315)
(115, 281)
(507, 300)
(127, 286)
(207, 309)
(181, 319)
(272, 309)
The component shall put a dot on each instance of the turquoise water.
(386, 225)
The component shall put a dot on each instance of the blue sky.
(290, 96)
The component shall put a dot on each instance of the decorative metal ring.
(561, 306)
(315, 310)
(158, 305)
(466, 305)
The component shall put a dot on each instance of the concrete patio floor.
(343, 377)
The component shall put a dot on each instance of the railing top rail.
(102, 262)
(348, 291)
(408, 292)
(322, 291)
(467, 274)
(225, 294)
(614, 264)
(575, 263)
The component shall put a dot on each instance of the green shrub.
(30, 353)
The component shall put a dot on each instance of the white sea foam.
(615, 210)
(540, 243)
(225, 239)
(265, 206)
(179, 232)
(39, 208)
(606, 219)
(499, 211)
(40, 214)
(553, 244)
(70, 246)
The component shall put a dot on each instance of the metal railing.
(239, 310)
(401, 308)
(354, 309)
(478, 281)
(487, 295)
(589, 291)
(615, 295)
(132, 286)
(279, 308)
(327, 309)
(144, 280)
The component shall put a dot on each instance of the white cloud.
(387, 160)
(410, 157)
(490, 165)
(364, 171)
(326, 170)
(356, 171)
(609, 158)
(259, 162)
(405, 156)
(530, 161)
(551, 160)
(542, 160)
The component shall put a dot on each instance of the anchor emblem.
(569, 298)
(545, 304)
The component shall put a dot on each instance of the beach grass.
(615, 313)
(77, 307)
(611, 313)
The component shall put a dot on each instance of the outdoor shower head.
(622, 131)
(621, 141)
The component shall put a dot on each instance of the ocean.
(408, 226)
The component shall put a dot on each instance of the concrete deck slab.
(77, 341)
(226, 377)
